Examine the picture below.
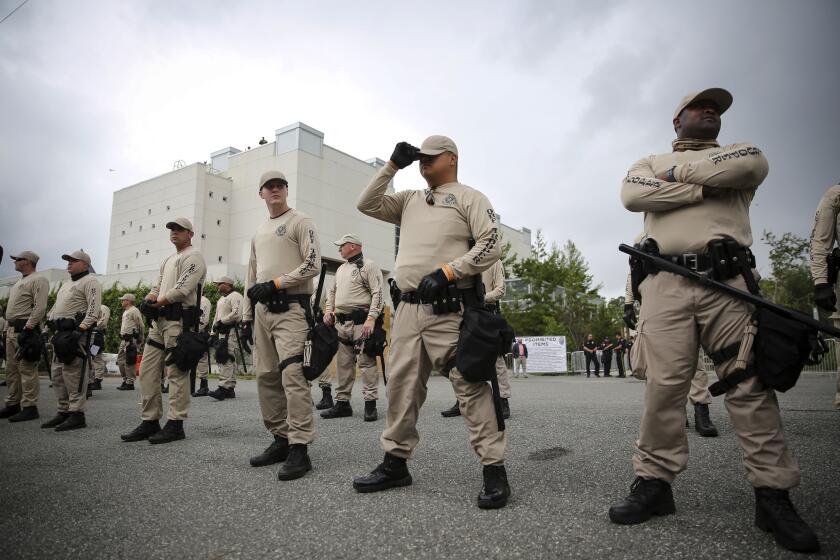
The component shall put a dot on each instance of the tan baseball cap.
(270, 176)
(127, 297)
(348, 238)
(79, 256)
(180, 222)
(225, 280)
(720, 96)
(437, 144)
(28, 255)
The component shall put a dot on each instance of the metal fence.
(577, 362)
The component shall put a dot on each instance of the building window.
(204, 236)
(141, 227)
(118, 267)
(218, 222)
(153, 226)
(123, 232)
(211, 194)
(125, 266)
(167, 207)
(150, 211)
(147, 251)
(224, 199)
(131, 223)
(220, 259)
(137, 255)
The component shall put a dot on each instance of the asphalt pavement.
(86, 494)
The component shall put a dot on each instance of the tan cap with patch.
(180, 222)
(348, 238)
(437, 144)
(28, 255)
(720, 96)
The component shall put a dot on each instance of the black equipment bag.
(782, 347)
(131, 353)
(321, 341)
(30, 345)
(222, 355)
(377, 341)
(66, 346)
(484, 335)
(190, 345)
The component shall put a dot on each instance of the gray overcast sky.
(549, 102)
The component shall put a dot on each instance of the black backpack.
(484, 336)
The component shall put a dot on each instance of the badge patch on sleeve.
(281, 230)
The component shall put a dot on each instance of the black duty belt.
(18, 324)
(358, 316)
(468, 297)
(704, 262)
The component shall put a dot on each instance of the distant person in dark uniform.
(590, 350)
(619, 347)
(606, 349)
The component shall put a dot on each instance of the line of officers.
(691, 197)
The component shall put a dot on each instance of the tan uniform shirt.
(494, 283)
(824, 234)
(180, 275)
(285, 249)
(229, 308)
(104, 317)
(28, 298)
(132, 320)
(356, 288)
(677, 216)
(204, 318)
(458, 214)
(80, 296)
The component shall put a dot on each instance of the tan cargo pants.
(837, 348)
(127, 370)
(285, 397)
(420, 342)
(98, 370)
(504, 378)
(324, 380)
(227, 371)
(676, 316)
(21, 376)
(203, 367)
(520, 365)
(65, 379)
(345, 363)
(152, 370)
(699, 393)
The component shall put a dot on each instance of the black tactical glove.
(405, 154)
(630, 316)
(247, 333)
(432, 285)
(824, 297)
(148, 311)
(262, 291)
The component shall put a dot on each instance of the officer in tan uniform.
(436, 227)
(285, 257)
(823, 237)
(97, 372)
(132, 331)
(73, 317)
(494, 290)
(696, 203)
(26, 307)
(353, 304)
(229, 311)
(202, 370)
(174, 299)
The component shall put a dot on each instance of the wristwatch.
(670, 174)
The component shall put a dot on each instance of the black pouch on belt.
(279, 302)
(66, 345)
(30, 345)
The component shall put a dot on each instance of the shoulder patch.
(281, 230)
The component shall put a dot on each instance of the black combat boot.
(143, 431)
(230, 393)
(129, 387)
(452, 411)
(340, 410)
(26, 413)
(122, 386)
(775, 514)
(219, 393)
(297, 463)
(505, 409)
(390, 473)
(75, 421)
(56, 420)
(702, 421)
(96, 385)
(89, 393)
(496, 490)
(370, 411)
(326, 399)
(202, 390)
(647, 498)
(173, 430)
(274, 453)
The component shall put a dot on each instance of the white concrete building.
(221, 199)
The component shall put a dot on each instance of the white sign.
(546, 354)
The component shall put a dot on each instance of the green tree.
(790, 281)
